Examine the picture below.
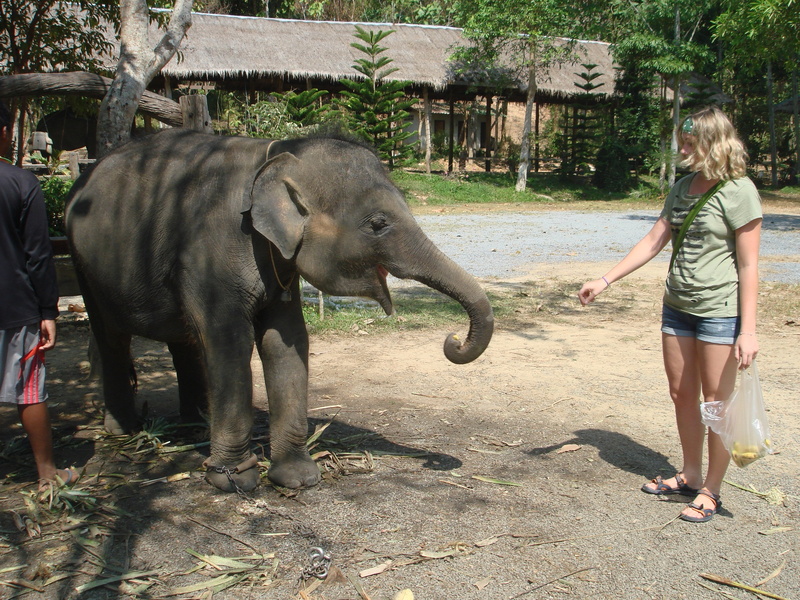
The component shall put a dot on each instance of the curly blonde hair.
(718, 151)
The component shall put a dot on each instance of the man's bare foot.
(60, 478)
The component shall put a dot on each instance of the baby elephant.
(199, 241)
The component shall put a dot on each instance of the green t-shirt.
(704, 280)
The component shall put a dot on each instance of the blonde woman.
(709, 311)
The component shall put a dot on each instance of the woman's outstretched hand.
(590, 290)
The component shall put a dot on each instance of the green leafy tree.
(52, 35)
(667, 37)
(612, 170)
(424, 12)
(582, 127)
(306, 108)
(760, 35)
(522, 31)
(378, 109)
(269, 119)
(638, 120)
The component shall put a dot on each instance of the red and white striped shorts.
(22, 366)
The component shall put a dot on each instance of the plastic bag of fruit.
(741, 420)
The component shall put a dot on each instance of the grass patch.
(483, 188)
(418, 308)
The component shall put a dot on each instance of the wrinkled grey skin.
(178, 237)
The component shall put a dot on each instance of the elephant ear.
(275, 204)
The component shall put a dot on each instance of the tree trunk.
(426, 100)
(676, 106)
(450, 141)
(536, 146)
(20, 134)
(773, 145)
(676, 119)
(463, 144)
(137, 66)
(795, 111)
(473, 127)
(487, 143)
(525, 146)
(80, 83)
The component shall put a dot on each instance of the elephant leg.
(283, 348)
(192, 387)
(228, 350)
(118, 377)
(110, 350)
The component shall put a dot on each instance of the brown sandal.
(706, 513)
(662, 489)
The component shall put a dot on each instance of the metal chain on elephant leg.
(229, 472)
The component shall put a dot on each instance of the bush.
(55, 190)
(612, 171)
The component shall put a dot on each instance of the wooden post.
(74, 167)
(195, 113)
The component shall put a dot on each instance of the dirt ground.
(516, 476)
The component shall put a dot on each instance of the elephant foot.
(294, 472)
(116, 426)
(243, 477)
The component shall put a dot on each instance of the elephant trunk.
(442, 274)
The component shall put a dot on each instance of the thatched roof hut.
(274, 54)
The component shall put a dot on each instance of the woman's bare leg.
(681, 364)
(718, 373)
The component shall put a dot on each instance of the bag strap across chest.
(689, 218)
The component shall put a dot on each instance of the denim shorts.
(714, 330)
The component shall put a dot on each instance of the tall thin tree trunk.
(452, 134)
(676, 105)
(463, 143)
(525, 146)
(487, 142)
(676, 119)
(796, 114)
(473, 127)
(18, 153)
(536, 146)
(427, 129)
(773, 144)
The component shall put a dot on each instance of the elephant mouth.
(385, 299)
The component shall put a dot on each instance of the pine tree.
(378, 109)
(581, 125)
(303, 107)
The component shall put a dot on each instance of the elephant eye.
(378, 223)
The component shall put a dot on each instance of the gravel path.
(505, 244)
